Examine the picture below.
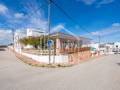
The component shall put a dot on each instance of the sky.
(93, 17)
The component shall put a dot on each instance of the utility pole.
(99, 37)
(13, 33)
(49, 3)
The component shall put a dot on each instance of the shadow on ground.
(118, 64)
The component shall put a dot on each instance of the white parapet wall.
(45, 58)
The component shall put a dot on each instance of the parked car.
(116, 51)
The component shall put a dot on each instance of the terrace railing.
(74, 50)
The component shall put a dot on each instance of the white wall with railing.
(44, 58)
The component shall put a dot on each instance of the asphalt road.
(97, 74)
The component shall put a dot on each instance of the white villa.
(65, 44)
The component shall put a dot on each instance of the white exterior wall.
(28, 47)
(45, 58)
(29, 32)
(33, 32)
(96, 45)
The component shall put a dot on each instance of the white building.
(116, 48)
(109, 48)
(34, 32)
(95, 46)
(18, 34)
(105, 48)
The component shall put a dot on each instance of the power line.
(67, 15)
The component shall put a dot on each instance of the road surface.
(97, 74)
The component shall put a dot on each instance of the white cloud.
(11, 16)
(19, 15)
(35, 16)
(106, 1)
(88, 2)
(58, 27)
(103, 2)
(5, 36)
(37, 23)
(116, 24)
(3, 9)
(96, 2)
(5, 33)
(16, 20)
(115, 28)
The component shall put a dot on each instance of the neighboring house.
(31, 32)
(94, 46)
(98, 48)
(109, 48)
(116, 47)
(17, 36)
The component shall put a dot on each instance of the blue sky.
(99, 17)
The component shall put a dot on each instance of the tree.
(40, 41)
